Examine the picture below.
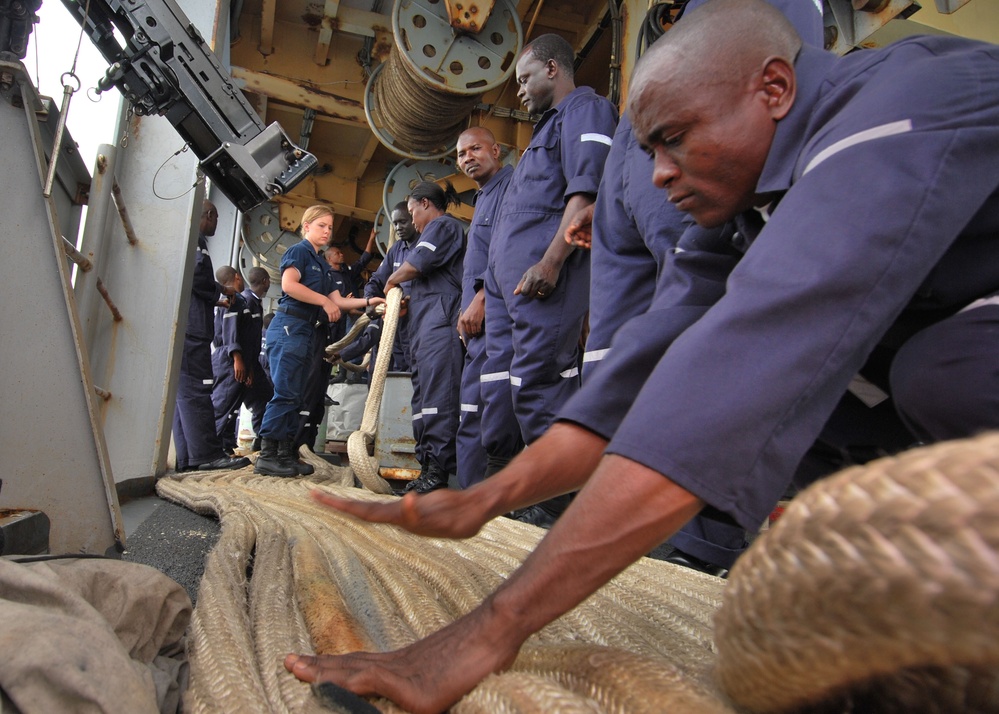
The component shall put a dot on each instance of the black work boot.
(432, 478)
(268, 462)
(543, 514)
(410, 485)
(288, 454)
(255, 447)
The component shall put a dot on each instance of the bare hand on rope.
(636, 505)
(478, 643)
(580, 230)
(439, 514)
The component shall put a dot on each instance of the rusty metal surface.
(853, 26)
(396, 474)
(469, 15)
(459, 63)
(394, 443)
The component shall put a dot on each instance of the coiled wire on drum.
(424, 119)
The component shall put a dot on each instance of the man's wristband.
(367, 302)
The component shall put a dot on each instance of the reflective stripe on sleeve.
(878, 132)
(600, 138)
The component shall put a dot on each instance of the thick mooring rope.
(877, 590)
(881, 583)
(366, 467)
(324, 583)
(355, 331)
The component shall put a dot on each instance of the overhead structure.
(418, 101)
(266, 238)
(383, 231)
(405, 175)
(848, 24)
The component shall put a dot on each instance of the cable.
(79, 41)
(155, 175)
(657, 19)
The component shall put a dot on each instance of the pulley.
(418, 101)
(405, 175)
(383, 232)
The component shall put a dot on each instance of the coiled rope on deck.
(289, 575)
(877, 590)
(366, 467)
(878, 587)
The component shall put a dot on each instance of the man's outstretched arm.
(559, 462)
(623, 512)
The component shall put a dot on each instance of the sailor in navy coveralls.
(194, 435)
(864, 191)
(479, 159)
(537, 286)
(433, 270)
(306, 290)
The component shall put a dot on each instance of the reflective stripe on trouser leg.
(546, 348)
(314, 395)
(194, 418)
(227, 395)
(437, 366)
(468, 442)
(499, 428)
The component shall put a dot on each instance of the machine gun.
(165, 67)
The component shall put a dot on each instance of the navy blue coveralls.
(194, 434)
(351, 275)
(435, 298)
(349, 283)
(634, 231)
(533, 345)
(289, 344)
(471, 450)
(884, 233)
(318, 381)
(367, 340)
(259, 392)
(375, 287)
(402, 357)
(231, 327)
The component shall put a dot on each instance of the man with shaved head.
(863, 198)
(634, 232)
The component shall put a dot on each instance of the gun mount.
(165, 67)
